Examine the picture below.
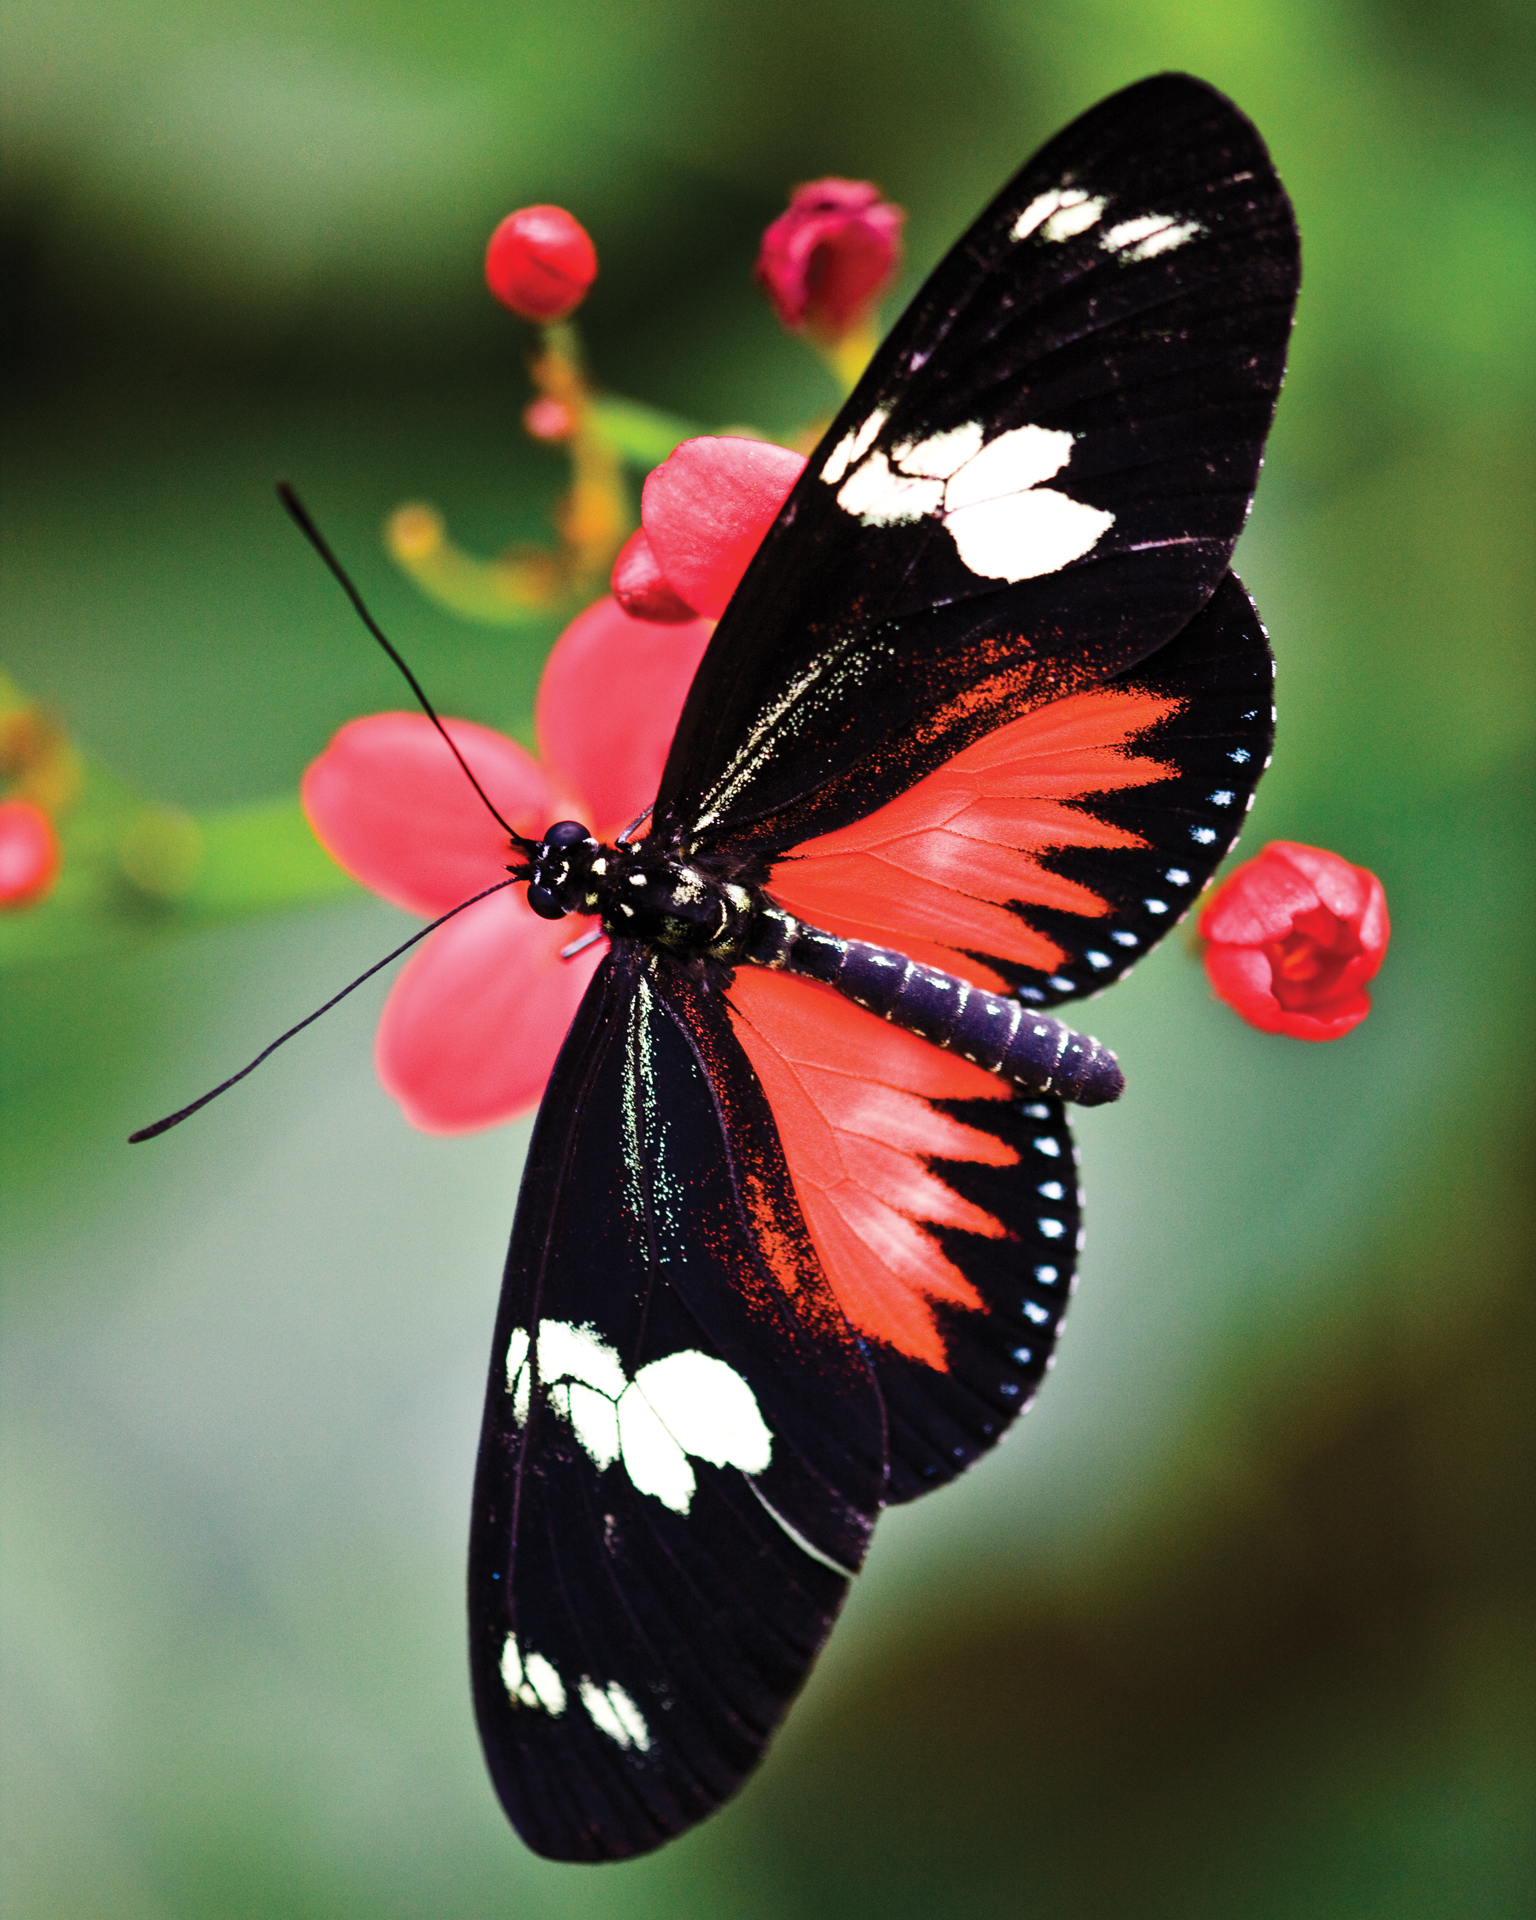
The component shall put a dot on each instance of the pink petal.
(1339, 886)
(707, 508)
(608, 706)
(1259, 902)
(1243, 978)
(470, 1032)
(389, 802)
(640, 586)
(1330, 1020)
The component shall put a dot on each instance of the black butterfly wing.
(683, 1448)
(1050, 855)
(1037, 483)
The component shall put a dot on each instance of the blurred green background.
(1239, 1621)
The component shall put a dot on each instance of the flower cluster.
(471, 1029)
(39, 781)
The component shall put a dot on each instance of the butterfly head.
(559, 878)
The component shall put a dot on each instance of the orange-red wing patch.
(929, 873)
(853, 1097)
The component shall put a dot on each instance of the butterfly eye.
(566, 833)
(544, 903)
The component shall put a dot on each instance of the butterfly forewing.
(683, 1448)
(1037, 483)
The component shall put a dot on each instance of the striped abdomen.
(1000, 1034)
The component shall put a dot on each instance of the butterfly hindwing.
(683, 1448)
(1038, 481)
(1051, 854)
(943, 1210)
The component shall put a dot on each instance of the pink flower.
(540, 263)
(29, 854)
(703, 514)
(1293, 936)
(826, 261)
(472, 1026)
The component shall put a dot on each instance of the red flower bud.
(827, 260)
(547, 419)
(540, 263)
(642, 589)
(29, 854)
(1293, 937)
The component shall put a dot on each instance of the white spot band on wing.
(1005, 524)
(687, 1403)
(1149, 235)
(1059, 214)
(531, 1680)
(616, 1714)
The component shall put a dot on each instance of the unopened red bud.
(827, 260)
(642, 589)
(548, 419)
(540, 263)
(29, 854)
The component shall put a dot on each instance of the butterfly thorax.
(640, 893)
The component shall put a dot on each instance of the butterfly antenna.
(299, 514)
(185, 1113)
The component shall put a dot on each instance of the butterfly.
(800, 1215)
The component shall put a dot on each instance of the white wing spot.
(616, 1714)
(1149, 235)
(709, 1410)
(853, 446)
(531, 1680)
(943, 454)
(1059, 214)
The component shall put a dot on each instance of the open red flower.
(1292, 938)
(472, 1026)
(827, 259)
(703, 514)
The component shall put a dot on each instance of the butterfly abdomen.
(1000, 1034)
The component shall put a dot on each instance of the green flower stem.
(254, 859)
(642, 436)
